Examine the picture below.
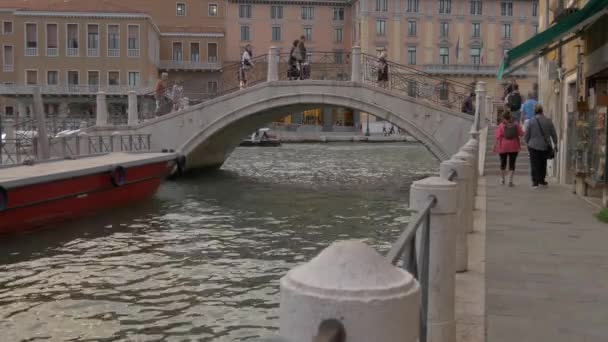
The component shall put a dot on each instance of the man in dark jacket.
(468, 106)
(302, 49)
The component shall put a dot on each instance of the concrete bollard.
(350, 282)
(469, 204)
(133, 118)
(463, 176)
(441, 323)
(356, 64)
(102, 109)
(273, 64)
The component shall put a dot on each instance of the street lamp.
(367, 128)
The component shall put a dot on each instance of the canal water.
(202, 260)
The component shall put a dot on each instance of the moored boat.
(37, 195)
(262, 138)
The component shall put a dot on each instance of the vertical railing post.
(132, 110)
(480, 104)
(469, 204)
(273, 64)
(489, 114)
(102, 109)
(44, 151)
(472, 147)
(149, 139)
(440, 318)
(356, 64)
(462, 178)
(9, 130)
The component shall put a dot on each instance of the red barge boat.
(49, 192)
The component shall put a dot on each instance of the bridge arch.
(209, 132)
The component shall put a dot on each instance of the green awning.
(552, 37)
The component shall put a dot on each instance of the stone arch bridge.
(208, 132)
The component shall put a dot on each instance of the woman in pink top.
(507, 145)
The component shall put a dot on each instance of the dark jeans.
(538, 164)
(512, 156)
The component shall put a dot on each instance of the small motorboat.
(262, 138)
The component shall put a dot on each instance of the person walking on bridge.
(303, 53)
(383, 70)
(295, 58)
(245, 65)
(540, 137)
(160, 91)
(508, 145)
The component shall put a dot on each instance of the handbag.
(550, 150)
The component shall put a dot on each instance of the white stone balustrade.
(356, 64)
(273, 64)
(469, 204)
(102, 109)
(132, 109)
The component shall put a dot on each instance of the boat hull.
(38, 205)
(264, 143)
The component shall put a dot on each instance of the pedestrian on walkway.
(383, 70)
(541, 139)
(245, 65)
(507, 145)
(528, 109)
(468, 106)
(514, 102)
(160, 91)
(293, 71)
(303, 53)
(177, 94)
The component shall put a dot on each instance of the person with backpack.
(541, 138)
(507, 145)
(514, 102)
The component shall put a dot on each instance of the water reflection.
(201, 261)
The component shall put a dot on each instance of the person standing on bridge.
(160, 91)
(303, 53)
(245, 65)
(468, 106)
(507, 145)
(383, 70)
(295, 58)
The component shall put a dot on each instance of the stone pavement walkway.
(546, 266)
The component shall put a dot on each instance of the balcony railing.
(93, 52)
(31, 51)
(133, 53)
(8, 68)
(52, 52)
(72, 52)
(471, 69)
(189, 65)
(72, 89)
(113, 52)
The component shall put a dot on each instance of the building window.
(339, 13)
(476, 7)
(212, 52)
(7, 55)
(195, 52)
(177, 51)
(476, 30)
(245, 11)
(381, 27)
(338, 35)
(113, 41)
(412, 88)
(181, 10)
(444, 29)
(276, 33)
(93, 81)
(212, 87)
(381, 5)
(506, 8)
(412, 6)
(411, 55)
(308, 34)
(212, 10)
(535, 28)
(133, 40)
(52, 40)
(444, 55)
(7, 27)
(276, 12)
(113, 78)
(73, 80)
(133, 79)
(412, 29)
(93, 40)
(475, 56)
(9, 110)
(308, 13)
(339, 57)
(506, 31)
(31, 40)
(535, 8)
(445, 6)
(444, 91)
(245, 33)
(73, 40)
(31, 77)
(52, 78)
